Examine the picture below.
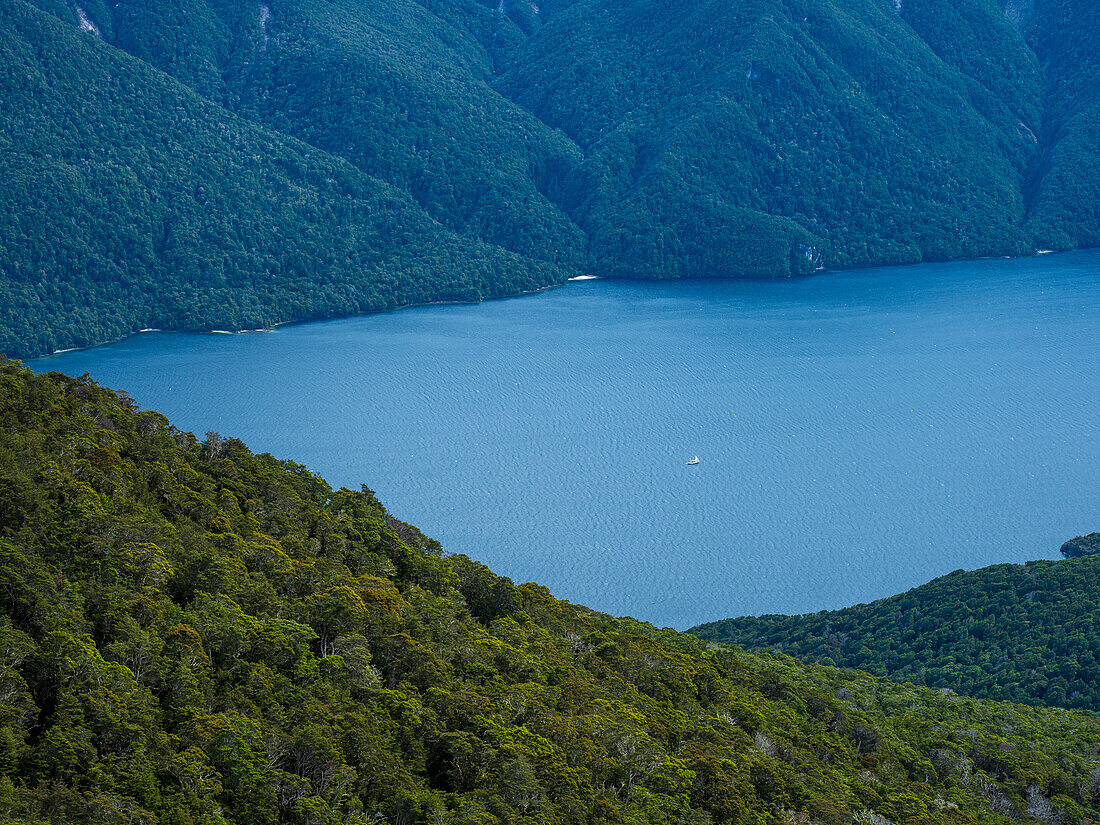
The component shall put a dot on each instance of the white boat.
(695, 460)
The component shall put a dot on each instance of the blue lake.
(859, 432)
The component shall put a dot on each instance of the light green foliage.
(204, 635)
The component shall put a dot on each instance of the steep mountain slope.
(190, 633)
(1022, 633)
(1064, 190)
(400, 91)
(130, 202)
(635, 139)
(983, 39)
(763, 137)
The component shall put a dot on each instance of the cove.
(859, 432)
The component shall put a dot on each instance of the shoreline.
(280, 324)
(524, 293)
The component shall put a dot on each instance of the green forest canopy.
(190, 633)
(1016, 632)
(198, 164)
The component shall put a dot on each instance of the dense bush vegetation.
(1081, 546)
(340, 156)
(729, 137)
(130, 202)
(190, 633)
(1023, 633)
(1064, 184)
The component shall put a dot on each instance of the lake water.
(859, 432)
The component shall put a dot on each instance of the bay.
(859, 432)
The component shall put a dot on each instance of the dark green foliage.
(190, 633)
(768, 137)
(402, 95)
(458, 150)
(130, 202)
(1081, 546)
(1022, 633)
(1064, 186)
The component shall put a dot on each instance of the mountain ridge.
(765, 138)
(182, 216)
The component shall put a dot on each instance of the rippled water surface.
(859, 432)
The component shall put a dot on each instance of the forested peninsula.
(1016, 632)
(207, 164)
(191, 633)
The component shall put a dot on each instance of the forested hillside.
(190, 633)
(1063, 188)
(1021, 633)
(191, 164)
(735, 137)
(400, 92)
(130, 202)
